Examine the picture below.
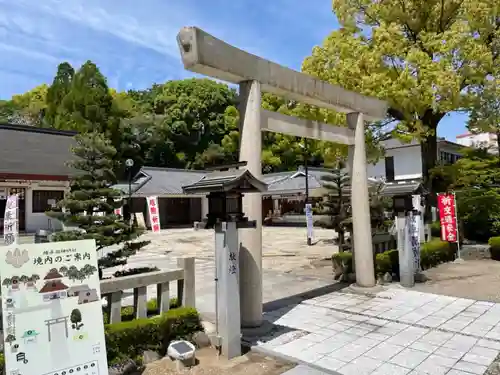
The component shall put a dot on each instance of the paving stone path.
(278, 285)
(395, 332)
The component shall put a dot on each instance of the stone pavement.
(395, 332)
(304, 370)
(278, 285)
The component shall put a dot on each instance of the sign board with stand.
(52, 310)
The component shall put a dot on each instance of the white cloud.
(94, 15)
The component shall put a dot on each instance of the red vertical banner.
(448, 217)
(154, 214)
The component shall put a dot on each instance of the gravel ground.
(283, 249)
(209, 364)
(475, 279)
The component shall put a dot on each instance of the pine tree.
(337, 202)
(91, 202)
(57, 91)
(88, 104)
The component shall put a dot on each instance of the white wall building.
(403, 161)
(32, 165)
(486, 140)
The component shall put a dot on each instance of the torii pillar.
(204, 54)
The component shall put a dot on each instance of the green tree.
(25, 109)
(191, 118)
(475, 178)
(337, 202)
(423, 57)
(76, 319)
(91, 201)
(485, 114)
(61, 85)
(88, 104)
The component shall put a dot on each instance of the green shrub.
(128, 311)
(436, 252)
(436, 229)
(2, 363)
(394, 257)
(130, 339)
(494, 243)
(343, 259)
(383, 264)
(432, 253)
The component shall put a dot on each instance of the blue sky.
(133, 42)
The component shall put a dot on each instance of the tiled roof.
(167, 181)
(34, 151)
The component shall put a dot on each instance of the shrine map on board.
(52, 311)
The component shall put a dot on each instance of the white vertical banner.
(154, 214)
(309, 220)
(10, 221)
(415, 231)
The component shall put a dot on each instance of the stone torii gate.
(202, 53)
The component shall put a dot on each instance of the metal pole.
(306, 171)
(130, 222)
(457, 225)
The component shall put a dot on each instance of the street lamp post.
(129, 163)
(307, 204)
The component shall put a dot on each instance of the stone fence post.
(186, 288)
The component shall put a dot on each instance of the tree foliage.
(475, 178)
(425, 57)
(485, 113)
(337, 202)
(25, 109)
(91, 202)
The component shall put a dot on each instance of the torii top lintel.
(202, 53)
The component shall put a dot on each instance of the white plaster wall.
(407, 163)
(479, 140)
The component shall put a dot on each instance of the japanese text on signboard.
(447, 216)
(154, 214)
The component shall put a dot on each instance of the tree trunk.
(498, 143)
(429, 155)
(341, 239)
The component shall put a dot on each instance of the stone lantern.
(225, 187)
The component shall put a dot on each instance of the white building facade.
(403, 161)
(483, 140)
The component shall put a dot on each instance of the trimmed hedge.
(130, 339)
(128, 311)
(436, 229)
(431, 254)
(494, 243)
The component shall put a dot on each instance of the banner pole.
(457, 225)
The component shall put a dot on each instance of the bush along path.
(432, 254)
(128, 341)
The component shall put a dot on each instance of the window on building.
(44, 199)
(389, 168)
